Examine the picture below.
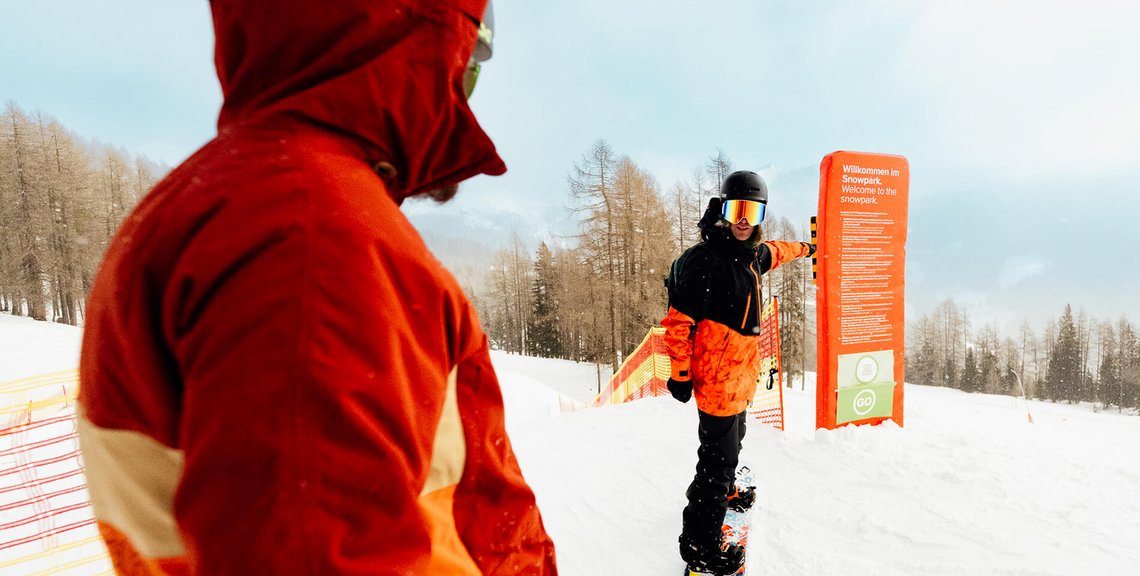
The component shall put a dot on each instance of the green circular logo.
(866, 370)
(864, 402)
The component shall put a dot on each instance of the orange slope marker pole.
(1023, 396)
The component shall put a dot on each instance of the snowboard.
(735, 526)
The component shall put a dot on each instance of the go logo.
(864, 402)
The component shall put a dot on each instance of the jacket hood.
(387, 75)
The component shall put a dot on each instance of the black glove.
(682, 391)
(712, 215)
(811, 249)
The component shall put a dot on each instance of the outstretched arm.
(773, 253)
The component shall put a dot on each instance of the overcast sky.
(984, 98)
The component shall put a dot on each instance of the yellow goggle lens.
(750, 210)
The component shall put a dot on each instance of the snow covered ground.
(967, 487)
(29, 348)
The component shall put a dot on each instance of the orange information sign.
(861, 258)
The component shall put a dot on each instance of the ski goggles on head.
(483, 43)
(735, 210)
(470, 76)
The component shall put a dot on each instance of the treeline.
(61, 200)
(1075, 359)
(591, 299)
(595, 298)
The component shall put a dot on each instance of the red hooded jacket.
(277, 377)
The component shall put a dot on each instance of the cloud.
(1021, 268)
(1041, 88)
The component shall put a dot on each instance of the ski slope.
(967, 487)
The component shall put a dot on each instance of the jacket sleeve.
(679, 328)
(686, 310)
(773, 253)
(495, 512)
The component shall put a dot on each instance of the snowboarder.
(277, 376)
(712, 330)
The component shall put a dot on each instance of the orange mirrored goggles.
(735, 210)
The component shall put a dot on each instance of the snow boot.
(717, 559)
(741, 499)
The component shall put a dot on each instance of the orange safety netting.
(46, 523)
(768, 402)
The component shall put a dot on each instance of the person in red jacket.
(277, 377)
(712, 335)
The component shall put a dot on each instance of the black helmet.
(744, 185)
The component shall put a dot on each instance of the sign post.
(860, 260)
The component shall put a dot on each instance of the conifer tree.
(1064, 360)
(624, 242)
(1108, 373)
(970, 381)
(544, 338)
(59, 207)
(593, 187)
(950, 373)
(1128, 358)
